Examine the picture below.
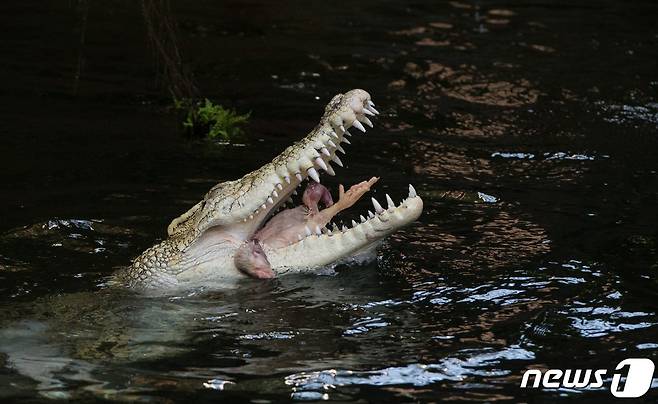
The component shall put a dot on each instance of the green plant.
(210, 120)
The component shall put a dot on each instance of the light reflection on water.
(457, 369)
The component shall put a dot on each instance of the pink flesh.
(252, 261)
(283, 229)
(315, 193)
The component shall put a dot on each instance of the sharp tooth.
(330, 170)
(354, 224)
(347, 133)
(336, 160)
(372, 109)
(318, 231)
(346, 140)
(390, 202)
(412, 191)
(378, 207)
(342, 128)
(287, 179)
(294, 192)
(325, 151)
(370, 214)
(279, 186)
(299, 177)
(321, 164)
(275, 194)
(332, 144)
(340, 149)
(329, 232)
(313, 174)
(263, 206)
(368, 112)
(251, 217)
(270, 200)
(333, 133)
(344, 228)
(363, 219)
(307, 230)
(370, 103)
(334, 227)
(367, 121)
(358, 125)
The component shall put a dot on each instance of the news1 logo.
(638, 377)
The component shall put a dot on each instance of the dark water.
(529, 128)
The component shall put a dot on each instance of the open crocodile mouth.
(304, 162)
(241, 225)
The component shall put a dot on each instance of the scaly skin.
(202, 242)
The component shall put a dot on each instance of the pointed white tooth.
(287, 179)
(363, 219)
(367, 121)
(412, 191)
(340, 149)
(325, 151)
(370, 103)
(346, 140)
(330, 170)
(333, 133)
(336, 160)
(332, 144)
(263, 206)
(368, 112)
(342, 128)
(244, 220)
(299, 237)
(358, 125)
(251, 217)
(378, 207)
(347, 133)
(344, 228)
(275, 194)
(270, 200)
(307, 230)
(372, 109)
(370, 214)
(390, 202)
(318, 231)
(321, 164)
(299, 177)
(279, 186)
(354, 224)
(329, 232)
(294, 192)
(313, 174)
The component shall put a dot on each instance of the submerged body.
(233, 232)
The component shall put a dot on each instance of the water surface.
(529, 128)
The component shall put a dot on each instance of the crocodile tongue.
(284, 227)
(291, 225)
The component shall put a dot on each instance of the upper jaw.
(259, 193)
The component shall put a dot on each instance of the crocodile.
(241, 228)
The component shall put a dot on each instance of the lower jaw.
(317, 251)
